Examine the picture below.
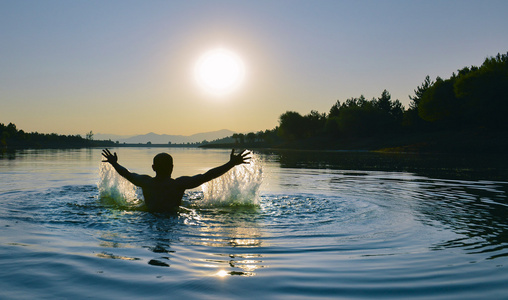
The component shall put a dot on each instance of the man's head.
(163, 164)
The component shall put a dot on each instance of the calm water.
(321, 225)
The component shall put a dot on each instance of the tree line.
(12, 137)
(474, 98)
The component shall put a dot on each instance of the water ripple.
(327, 234)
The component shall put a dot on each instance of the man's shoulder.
(181, 179)
(141, 178)
(187, 179)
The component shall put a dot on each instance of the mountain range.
(155, 138)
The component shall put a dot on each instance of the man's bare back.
(163, 193)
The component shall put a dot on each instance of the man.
(163, 193)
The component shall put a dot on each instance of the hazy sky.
(125, 67)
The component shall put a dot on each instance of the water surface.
(319, 226)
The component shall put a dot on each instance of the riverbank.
(452, 141)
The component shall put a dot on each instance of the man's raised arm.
(234, 160)
(113, 160)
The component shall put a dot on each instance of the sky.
(126, 67)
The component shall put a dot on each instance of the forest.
(12, 137)
(464, 113)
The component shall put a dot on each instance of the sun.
(219, 71)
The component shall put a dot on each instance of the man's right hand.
(110, 158)
(241, 158)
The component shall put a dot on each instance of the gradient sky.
(125, 67)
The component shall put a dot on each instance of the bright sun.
(219, 71)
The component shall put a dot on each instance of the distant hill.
(155, 138)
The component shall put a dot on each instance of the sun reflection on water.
(232, 231)
(222, 273)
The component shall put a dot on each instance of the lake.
(292, 225)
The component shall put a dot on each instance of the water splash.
(238, 187)
(116, 190)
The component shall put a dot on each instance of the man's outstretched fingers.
(245, 158)
(111, 158)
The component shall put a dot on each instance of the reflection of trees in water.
(477, 211)
(459, 166)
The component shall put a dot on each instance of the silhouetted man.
(163, 193)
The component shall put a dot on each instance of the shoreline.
(445, 142)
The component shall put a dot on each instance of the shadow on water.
(459, 166)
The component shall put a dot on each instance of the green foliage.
(484, 93)
(439, 103)
(291, 125)
(358, 120)
(239, 138)
(419, 91)
(251, 137)
(360, 117)
(294, 126)
(89, 136)
(474, 97)
(384, 103)
(334, 111)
